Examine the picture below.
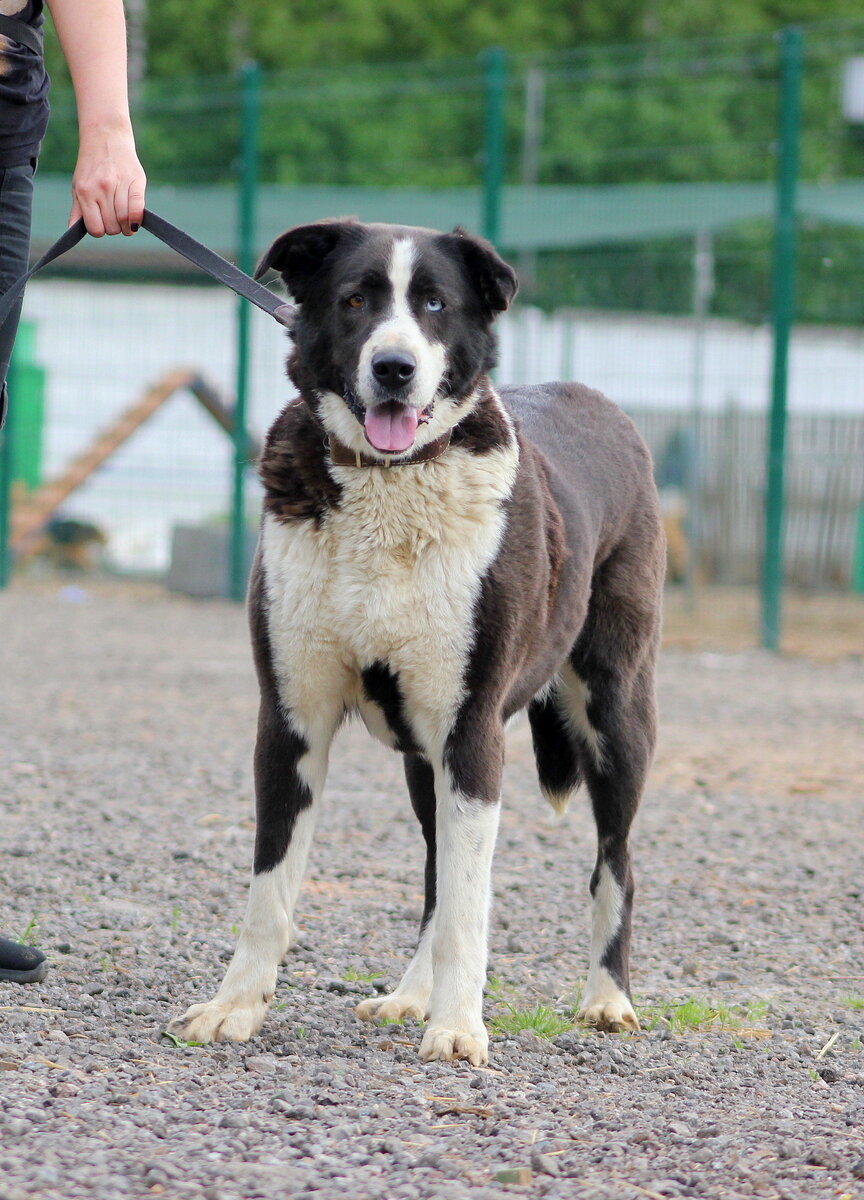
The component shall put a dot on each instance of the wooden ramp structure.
(31, 513)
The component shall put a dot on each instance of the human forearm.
(92, 35)
(108, 185)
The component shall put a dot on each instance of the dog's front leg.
(289, 776)
(467, 787)
(411, 997)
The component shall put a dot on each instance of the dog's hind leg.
(609, 687)
(290, 768)
(411, 997)
(615, 762)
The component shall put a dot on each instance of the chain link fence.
(634, 188)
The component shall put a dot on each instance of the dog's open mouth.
(391, 427)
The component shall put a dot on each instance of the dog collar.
(343, 456)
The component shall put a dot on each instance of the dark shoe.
(21, 964)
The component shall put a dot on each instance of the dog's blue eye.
(434, 304)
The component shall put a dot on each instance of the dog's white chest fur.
(391, 576)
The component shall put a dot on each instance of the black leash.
(196, 253)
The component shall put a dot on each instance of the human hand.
(109, 182)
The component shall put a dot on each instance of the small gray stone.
(346, 987)
(823, 1156)
(262, 1064)
(233, 1120)
(543, 1164)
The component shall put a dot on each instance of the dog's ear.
(299, 254)
(494, 280)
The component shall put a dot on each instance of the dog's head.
(394, 329)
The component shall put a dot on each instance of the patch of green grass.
(757, 1011)
(695, 1014)
(856, 1002)
(498, 989)
(541, 1020)
(175, 917)
(179, 1042)
(28, 937)
(359, 977)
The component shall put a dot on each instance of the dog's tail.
(558, 800)
(556, 753)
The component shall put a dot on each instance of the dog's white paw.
(391, 1008)
(447, 1045)
(220, 1022)
(615, 1015)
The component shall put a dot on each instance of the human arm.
(108, 184)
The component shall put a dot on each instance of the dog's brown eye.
(356, 301)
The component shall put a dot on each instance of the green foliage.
(30, 934)
(195, 37)
(541, 1020)
(368, 93)
(178, 1042)
(696, 1014)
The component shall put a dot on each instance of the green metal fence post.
(248, 185)
(493, 161)
(789, 133)
(858, 555)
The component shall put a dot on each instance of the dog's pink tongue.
(391, 427)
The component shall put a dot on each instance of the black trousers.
(16, 202)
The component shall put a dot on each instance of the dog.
(69, 544)
(436, 556)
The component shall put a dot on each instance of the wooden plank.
(31, 514)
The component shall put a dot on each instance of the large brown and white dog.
(435, 556)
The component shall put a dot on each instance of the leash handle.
(178, 240)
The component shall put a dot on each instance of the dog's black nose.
(393, 368)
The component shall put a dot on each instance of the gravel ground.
(126, 734)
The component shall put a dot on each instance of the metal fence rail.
(635, 182)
